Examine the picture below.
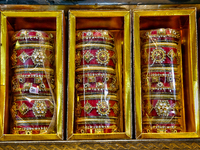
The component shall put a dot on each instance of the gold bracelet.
(99, 69)
(29, 130)
(86, 120)
(94, 45)
(39, 108)
(38, 57)
(92, 97)
(162, 108)
(102, 104)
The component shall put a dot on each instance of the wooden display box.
(183, 19)
(117, 22)
(49, 21)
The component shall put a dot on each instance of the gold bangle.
(96, 89)
(39, 108)
(93, 48)
(170, 97)
(89, 34)
(147, 120)
(27, 86)
(33, 45)
(103, 69)
(162, 108)
(91, 97)
(38, 57)
(159, 44)
(87, 56)
(32, 121)
(101, 104)
(97, 129)
(48, 70)
(32, 97)
(86, 120)
(161, 129)
(158, 69)
(146, 34)
(29, 130)
(94, 45)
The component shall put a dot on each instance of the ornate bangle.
(96, 120)
(159, 35)
(100, 96)
(32, 57)
(96, 125)
(95, 69)
(164, 82)
(32, 114)
(94, 45)
(95, 57)
(96, 76)
(32, 35)
(30, 129)
(96, 82)
(162, 128)
(92, 40)
(29, 107)
(161, 96)
(93, 34)
(160, 56)
(36, 82)
(33, 45)
(32, 70)
(103, 128)
(97, 108)
(161, 108)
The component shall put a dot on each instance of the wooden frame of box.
(58, 18)
(189, 32)
(111, 18)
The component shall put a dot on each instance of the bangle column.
(32, 82)
(162, 97)
(97, 106)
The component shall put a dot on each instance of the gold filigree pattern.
(29, 130)
(23, 57)
(103, 108)
(100, 86)
(96, 129)
(162, 107)
(158, 55)
(102, 56)
(88, 108)
(145, 56)
(23, 109)
(78, 58)
(78, 109)
(115, 108)
(38, 57)
(148, 107)
(88, 56)
(150, 79)
(171, 54)
(38, 79)
(39, 108)
(114, 58)
(14, 58)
